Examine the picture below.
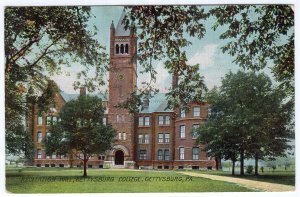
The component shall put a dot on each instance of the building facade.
(155, 138)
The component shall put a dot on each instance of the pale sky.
(206, 52)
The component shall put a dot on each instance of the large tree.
(39, 42)
(81, 131)
(249, 116)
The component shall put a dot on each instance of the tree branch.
(44, 53)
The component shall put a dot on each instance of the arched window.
(122, 48)
(126, 48)
(117, 49)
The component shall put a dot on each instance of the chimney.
(174, 80)
(82, 91)
(145, 105)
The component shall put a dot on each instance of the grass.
(280, 176)
(57, 180)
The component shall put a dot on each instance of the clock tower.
(122, 82)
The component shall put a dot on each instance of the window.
(48, 120)
(147, 121)
(181, 153)
(141, 121)
(144, 121)
(124, 136)
(123, 118)
(140, 138)
(119, 118)
(101, 157)
(196, 111)
(120, 136)
(126, 48)
(39, 153)
(163, 120)
(182, 113)
(160, 120)
(167, 154)
(40, 120)
(194, 133)
(182, 131)
(39, 137)
(160, 138)
(146, 139)
(195, 152)
(167, 120)
(54, 119)
(143, 154)
(104, 121)
(160, 154)
(122, 48)
(117, 49)
(167, 138)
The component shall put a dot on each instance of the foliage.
(249, 169)
(248, 117)
(39, 42)
(81, 131)
(162, 37)
(260, 34)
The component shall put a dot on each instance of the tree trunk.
(84, 165)
(256, 165)
(242, 162)
(217, 163)
(233, 165)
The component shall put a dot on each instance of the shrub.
(249, 169)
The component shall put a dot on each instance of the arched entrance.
(119, 157)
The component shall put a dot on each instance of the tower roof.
(120, 30)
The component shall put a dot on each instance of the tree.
(248, 116)
(219, 142)
(81, 131)
(39, 41)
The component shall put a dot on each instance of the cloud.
(205, 56)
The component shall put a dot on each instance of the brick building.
(155, 138)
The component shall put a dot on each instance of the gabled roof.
(120, 29)
(68, 97)
(157, 103)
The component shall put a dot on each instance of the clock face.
(120, 77)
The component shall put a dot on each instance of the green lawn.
(56, 180)
(278, 176)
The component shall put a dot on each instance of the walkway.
(257, 185)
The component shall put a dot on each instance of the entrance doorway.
(119, 157)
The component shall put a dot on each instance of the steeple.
(120, 30)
